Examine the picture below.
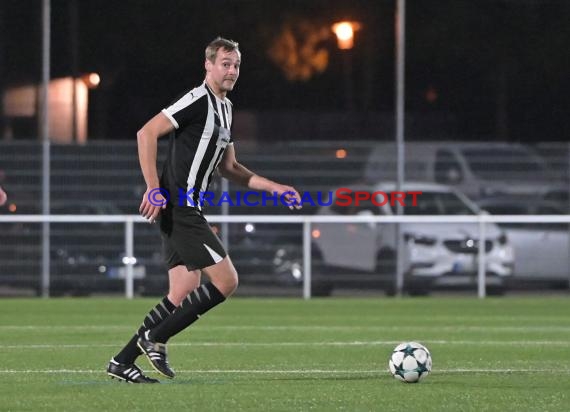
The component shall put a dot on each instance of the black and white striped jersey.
(202, 123)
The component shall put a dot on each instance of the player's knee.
(233, 283)
(228, 284)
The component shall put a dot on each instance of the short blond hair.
(220, 43)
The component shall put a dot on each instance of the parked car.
(435, 254)
(476, 169)
(252, 245)
(85, 258)
(542, 250)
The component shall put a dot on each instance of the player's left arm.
(233, 170)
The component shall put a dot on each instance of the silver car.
(436, 254)
(542, 249)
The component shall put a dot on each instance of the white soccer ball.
(410, 362)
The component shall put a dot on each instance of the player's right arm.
(147, 138)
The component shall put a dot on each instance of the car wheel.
(496, 290)
(321, 289)
(288, 266)
(419, 288)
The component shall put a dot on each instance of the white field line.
(292, 371)
(561, 343)
(309, 328)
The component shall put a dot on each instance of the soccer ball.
(410, 362)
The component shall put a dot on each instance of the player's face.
(224, 72)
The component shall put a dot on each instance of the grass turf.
(509, 354)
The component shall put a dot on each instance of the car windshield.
(522, 208)
(502, 163)
(438, 203)
(506, 209)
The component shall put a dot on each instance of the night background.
(482, 69)
(483, 175)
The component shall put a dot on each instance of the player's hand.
(153, 200)
(290, 195)
(3, 197)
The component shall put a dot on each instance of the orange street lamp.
(344, 31)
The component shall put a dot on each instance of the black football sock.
(198, 302)
(159, 313)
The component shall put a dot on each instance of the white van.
(477, 169)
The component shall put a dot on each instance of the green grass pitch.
(498, 354)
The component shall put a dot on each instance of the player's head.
(223, 60)
(220, 43)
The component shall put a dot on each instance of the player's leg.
(191, 237)
(224, 276)
(223, 282)
(181, 283)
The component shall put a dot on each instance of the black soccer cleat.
(128, 373)
(156, 355)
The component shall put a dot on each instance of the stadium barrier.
(129, 220)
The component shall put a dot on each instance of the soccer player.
(201, 143)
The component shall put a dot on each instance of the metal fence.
(128, 262)
(102, 179)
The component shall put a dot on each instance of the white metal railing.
(307, 221)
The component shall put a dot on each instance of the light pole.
(400, 34)
(344, 32)
(46, 148)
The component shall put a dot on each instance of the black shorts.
(188, 239)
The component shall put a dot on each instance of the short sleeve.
(190, 108)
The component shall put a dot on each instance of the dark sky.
(491, 64)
